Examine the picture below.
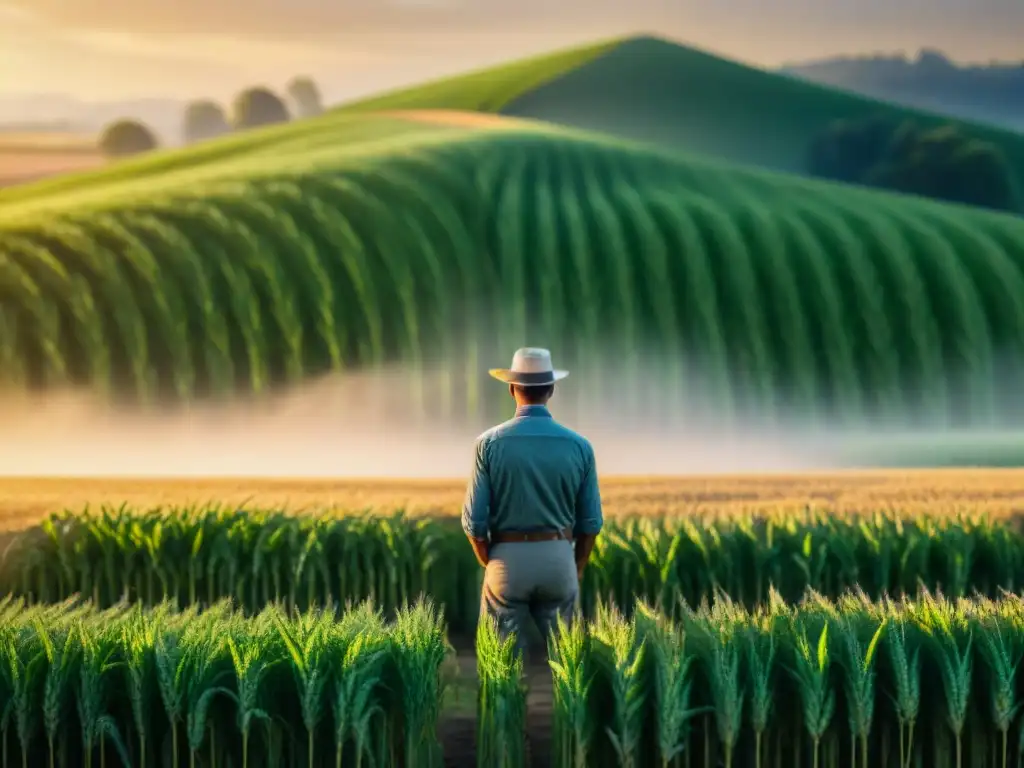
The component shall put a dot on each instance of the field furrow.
(161, 687)
(772, 295)
(183, 555)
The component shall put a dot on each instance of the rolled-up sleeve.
(589, 518)
(476, 509)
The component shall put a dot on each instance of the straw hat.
(531, 367)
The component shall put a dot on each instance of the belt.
(520, 537)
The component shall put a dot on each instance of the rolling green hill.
(677, 98)
(357, 240)
(486, 90)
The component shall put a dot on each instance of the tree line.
(945, 162)
(991, 92)
(206, 119)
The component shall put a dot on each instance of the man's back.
(533, 488)
(533, 474)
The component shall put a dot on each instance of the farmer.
(532, 493)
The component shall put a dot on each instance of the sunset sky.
(107, 49)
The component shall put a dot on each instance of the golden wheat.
(998, 492)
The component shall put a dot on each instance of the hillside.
(486, 90)
(355, 240)
(675, 97)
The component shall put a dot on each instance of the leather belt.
(521, 537)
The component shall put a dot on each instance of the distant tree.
(258, 106)
(846, 148)
(204, 120)
(944, 163)
(126, 137)
(305, 95)
(934, 61)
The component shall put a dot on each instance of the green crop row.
(257, 557)
(770, 295)
(850, 683)
(501, 700)
(136, 687)
(254, 557)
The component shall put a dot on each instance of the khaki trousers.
(530, 580)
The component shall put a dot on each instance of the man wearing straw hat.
(532, 494)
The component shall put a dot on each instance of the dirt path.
(539, 713)
(457, 730)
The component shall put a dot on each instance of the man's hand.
(584, 546)
(481, 549)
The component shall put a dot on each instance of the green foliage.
(202, 555)
(946, 163)
(238, 266)
(847, 683)
(687, 561)
(156, 687)
(254, 557)
(501, 700)
(683, 99)
(485, 90)
(257, 107)
(125, 138)
(305, 95)
(204, 120)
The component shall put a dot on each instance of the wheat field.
(1000, 492)
(27, 156)
(765, 645)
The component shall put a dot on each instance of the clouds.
(358, 46)
(329, 17)
(282, 17)
(40, 56)
(831, 25)
(16, 14)
(337, 15)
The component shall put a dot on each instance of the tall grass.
(294, 256)
(199, 556)
(257, 557)
(687, 560)
(821, 684)
(142, 687)
(501, 700)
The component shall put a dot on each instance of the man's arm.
(476, 508)
(589, 517)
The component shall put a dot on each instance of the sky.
(113, 49)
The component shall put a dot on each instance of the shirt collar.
(532, 410)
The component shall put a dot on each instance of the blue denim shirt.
(531, 473)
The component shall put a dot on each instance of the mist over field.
(364, 425)
(383, 425)
(807, 304)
